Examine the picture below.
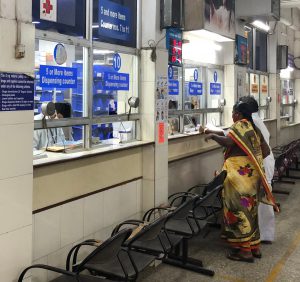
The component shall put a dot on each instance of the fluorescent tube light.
(102, 52)
(261, 25)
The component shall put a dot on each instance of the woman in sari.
(245, 151)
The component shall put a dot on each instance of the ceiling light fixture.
(261, 25)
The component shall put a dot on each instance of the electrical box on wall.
(171, 13)
(258, 9)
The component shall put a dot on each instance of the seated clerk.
(43, 138)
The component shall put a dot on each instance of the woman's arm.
(210, 131)
(222, 140)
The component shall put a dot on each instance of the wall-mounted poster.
(220, 17)
(241, 47)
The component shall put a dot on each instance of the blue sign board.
(195, 88)
(58, 77)
(173, 87)
(196, 75)
(215, 76)
(114, 20)
(170, 72)
(117, 62)
(115, 81)
(215, 88)
(16, 92)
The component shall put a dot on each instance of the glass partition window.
(191, 122)
(59, 139)
(194, 97)
(59, 78)
(114, 82)
(173, 125)
(113, 133)
(259, 89)
(175, 87)
(287, 109)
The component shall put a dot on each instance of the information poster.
(254, 87)
(162, 107)
(16, 92)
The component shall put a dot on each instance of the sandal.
(256, 253)
(239, 257)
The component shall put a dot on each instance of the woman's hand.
(208, 137)
(201, 129)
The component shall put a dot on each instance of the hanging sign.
(114, 20)
(215, 87)
(58, 77)
(16, 92)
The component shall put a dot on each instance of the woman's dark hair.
(250, 100)
(245, 110)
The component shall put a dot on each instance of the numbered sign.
(117, 62)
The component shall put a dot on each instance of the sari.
(242, 188)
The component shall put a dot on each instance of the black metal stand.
(183, 261)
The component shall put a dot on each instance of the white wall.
(58, 229)
(16, 150)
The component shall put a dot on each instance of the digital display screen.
(174, 45)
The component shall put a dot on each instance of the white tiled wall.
(56, 230)
(16, 129)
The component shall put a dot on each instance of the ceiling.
(290, 3)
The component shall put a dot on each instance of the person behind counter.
(43, 138)
(245, 151)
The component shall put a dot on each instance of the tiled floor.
(280, 261)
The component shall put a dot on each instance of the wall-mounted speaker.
(171, 13)
(282, 56)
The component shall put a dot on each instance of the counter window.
(287, 109)
(59, 78)
(175, 87)
(57, 139)
(114, 82)
(194, 95)
(113, 133)
(259, 89)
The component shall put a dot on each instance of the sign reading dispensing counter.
(58, 77)
(16, 92)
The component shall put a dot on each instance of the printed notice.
(161, 133)
(58, 77)
(195, 88)
(16, 92)
(173, 87)
(114, 20)
(215, 88)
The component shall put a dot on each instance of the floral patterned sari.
(245, 175)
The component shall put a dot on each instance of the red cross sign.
(47, 7)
